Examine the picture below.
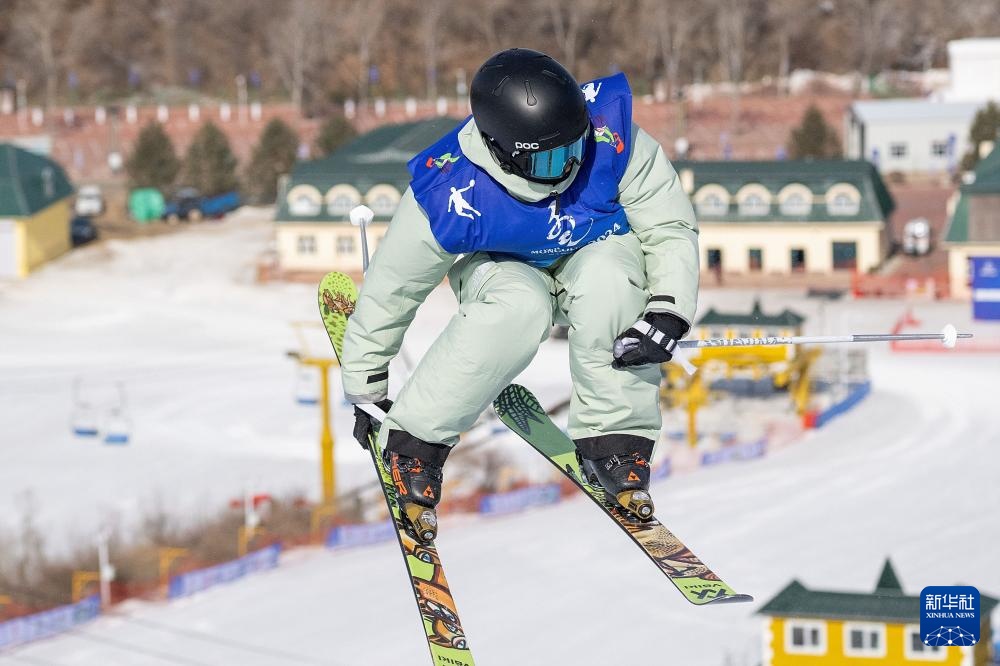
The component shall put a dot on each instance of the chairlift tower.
(323, 364)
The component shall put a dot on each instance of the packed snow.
(911, 473)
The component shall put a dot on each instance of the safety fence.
(54, 621)
(200, 580)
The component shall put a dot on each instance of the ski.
(442, 627)
(518, 408)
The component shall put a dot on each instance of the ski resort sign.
(985, 287)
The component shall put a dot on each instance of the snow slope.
(911, 473)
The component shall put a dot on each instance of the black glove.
(364, 423)
(652, 339)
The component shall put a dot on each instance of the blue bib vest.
(471, 212)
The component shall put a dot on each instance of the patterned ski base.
(442, 627)
(518, 408)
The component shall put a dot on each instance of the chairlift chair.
(83, 418)
(117, 424)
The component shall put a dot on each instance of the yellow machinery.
(788, 366)
(167, 557)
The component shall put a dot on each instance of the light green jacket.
(409, 262)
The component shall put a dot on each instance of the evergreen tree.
(273, 156)
(153, 162)
(985, 127)
(209, 165)
(335, 132)
(814, 138)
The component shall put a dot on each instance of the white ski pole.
(948, 336)
(362, 216)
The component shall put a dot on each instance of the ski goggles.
(552, 164)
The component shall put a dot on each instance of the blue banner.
(985, 287)
(364, 534)
(29, 628)
(740, 452)
(519, 500)
(857, 393)
(202, 579)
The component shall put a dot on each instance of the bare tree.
(670, 25)
(433, 11)
(568, 20)
(40, 22)
(365, 20)
(297, 43)
(731, 22)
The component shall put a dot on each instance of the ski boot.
(623, 476)
(416, 470)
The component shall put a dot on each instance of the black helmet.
(531, 113)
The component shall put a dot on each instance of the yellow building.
(35, 211)
(784, 217)
(805, 627)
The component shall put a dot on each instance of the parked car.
(89, 201)
(917, 236)
(81, 230)
(188, 204)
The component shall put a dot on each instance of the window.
(845, 256)
(914, 648)
(805, 637)
(798, 260)
(712, 201)
(383, 199)
(304, 201)
(756, 259)
(753, 205)
(345, 244)
(341, 205)
(754, 200)
(306, 244)
(843, 199)
(897, 150)
(383, 205)
(712, 205)
(939, 148)
(864, 639)
(714, 259)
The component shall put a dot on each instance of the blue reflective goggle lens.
(556, 163)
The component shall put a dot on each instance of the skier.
(562, 210)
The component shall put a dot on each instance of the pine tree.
(335, 132)
(209, 165)
(272, 157)
(814, 138)
(153, 162)
(985, 127)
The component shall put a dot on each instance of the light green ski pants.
(506, 309)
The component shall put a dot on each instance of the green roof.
(888, 603)
(756, 318)
(378, 157)
(818, 175)
(29, 182)
(987, 181)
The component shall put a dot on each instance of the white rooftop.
(913, 110)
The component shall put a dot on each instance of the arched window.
(754, 200)
(712, 201)
(795, 200)
(304, 201)
(383, 200)
(340, 199)
(843, 199)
